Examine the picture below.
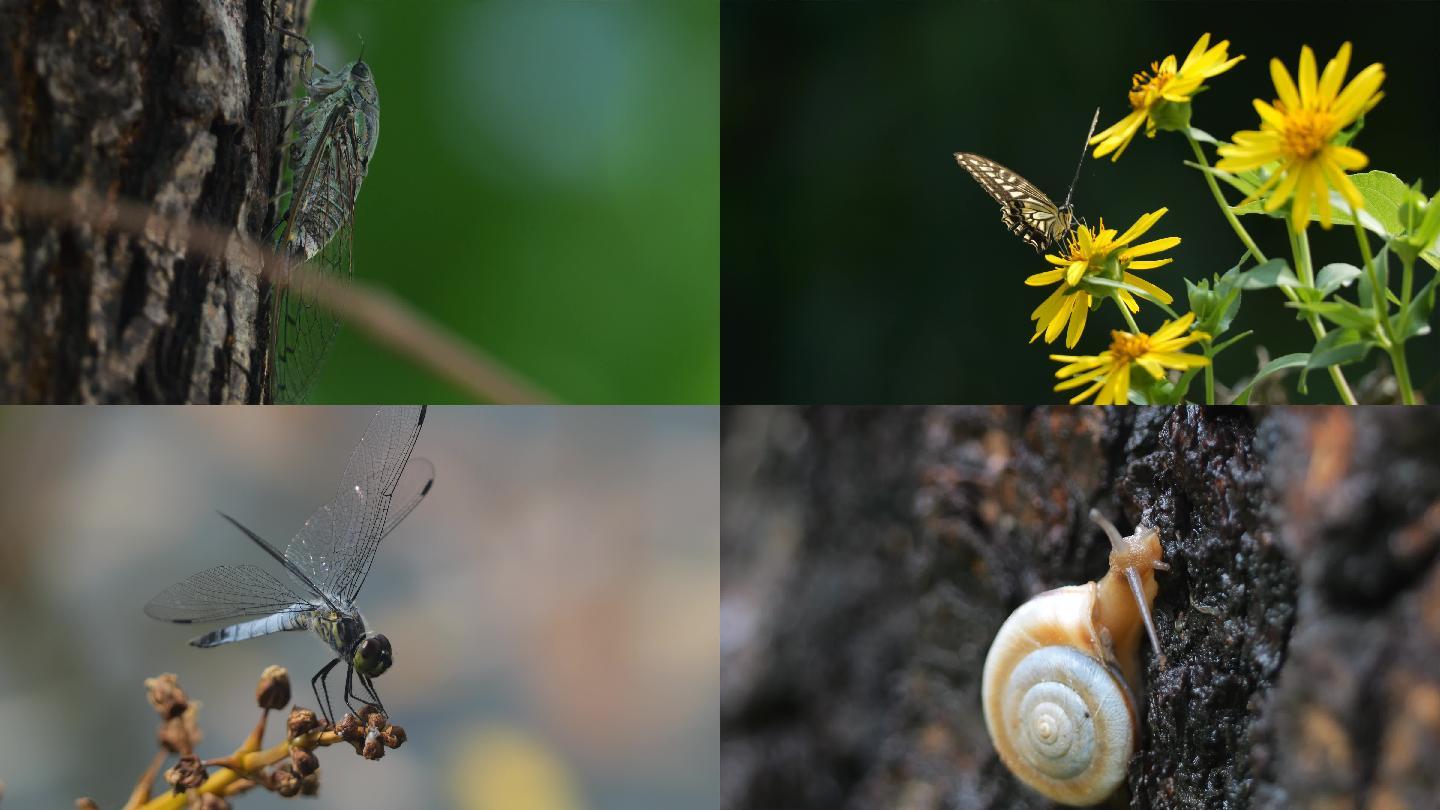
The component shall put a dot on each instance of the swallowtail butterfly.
(1025, 209)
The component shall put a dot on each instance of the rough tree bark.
(871, 555)
(169, 103)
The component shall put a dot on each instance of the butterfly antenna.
(1083, 148)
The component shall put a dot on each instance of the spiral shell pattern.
(1067, 725)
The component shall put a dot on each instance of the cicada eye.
(373, 656)
(361, 70)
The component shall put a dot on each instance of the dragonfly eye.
(373, 656)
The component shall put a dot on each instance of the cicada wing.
(321, 227)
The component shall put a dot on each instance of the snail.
(1061, 677)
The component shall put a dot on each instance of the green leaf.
(1182, 386)
(1339, 355)
(1245, 182)
(1274, 273)
(1101, 281)
(1220, 347)
(1202, 136)
(1341, 313)
(1272, 367)
(1422, 307)
(1334, 276)
(1383, 193)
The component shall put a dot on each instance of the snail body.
(1061, 677)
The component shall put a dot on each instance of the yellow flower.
(1152, 90)
(1108, 373)
(1299, 130)
(1094, 253)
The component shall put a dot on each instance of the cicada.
(335, 133)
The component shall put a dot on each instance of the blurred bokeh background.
(860, 264)
(553, 603)
(546, 185)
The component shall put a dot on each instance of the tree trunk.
(168, 103)
(870, 556)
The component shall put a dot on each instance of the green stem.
(1209, 377)
(1124, 310)
(1395, 347)
(1336, 376)
(1300, 248)
(1224, 207)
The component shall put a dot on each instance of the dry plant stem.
(388, 320)
(1393, 345)
(141, 794)
(241, 765)
(1341, 385)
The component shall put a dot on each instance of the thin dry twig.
(387, 319)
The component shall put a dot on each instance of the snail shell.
(1061, 677)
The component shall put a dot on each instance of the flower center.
(1127, 347)
(1306, 132)
(1145, 89)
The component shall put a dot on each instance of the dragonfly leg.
(325, 703)
(370, 687)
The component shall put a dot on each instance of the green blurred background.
(860, 264)
(546, 185)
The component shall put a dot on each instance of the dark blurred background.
(860, 264)
(553, 603)
(546, 185)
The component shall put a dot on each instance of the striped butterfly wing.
(1024, 209)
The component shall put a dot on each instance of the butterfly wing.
(1024, 209)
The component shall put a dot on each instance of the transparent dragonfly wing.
(320, 228)
(222, 593)
(336, 546)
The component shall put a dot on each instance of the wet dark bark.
(871, 555)
(169, 104)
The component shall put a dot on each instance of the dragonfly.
(328, 561)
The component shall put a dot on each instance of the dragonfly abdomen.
(274, 623)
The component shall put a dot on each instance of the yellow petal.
(1130, 278)
(1284, 87)
(1057, 323)
(1201, 45)
(1180, 360)
(1047, 308)
(1117, 391)
(1346, 157)
(1077, 321)
(1322, 191)
(1354, 99)
(1334, 74)
(1141, 225)
(1269, 114)
(1170, 329)
(1347, 189)
(1222, 67)
(1283, 191)
(1042, 279)
(1097, 370)
(1149, 264)
(1300, 208)
(1153, 368)
(1155, 246)
(1307, 77)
